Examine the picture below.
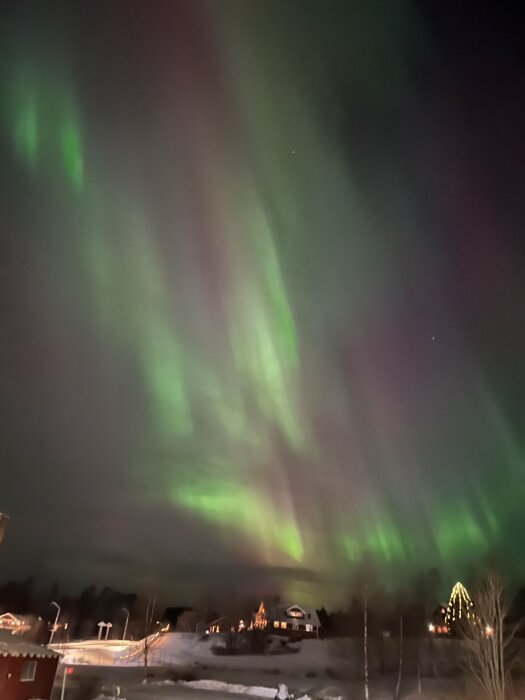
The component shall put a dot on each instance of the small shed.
(26, 670)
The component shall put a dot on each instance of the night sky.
(261, 292)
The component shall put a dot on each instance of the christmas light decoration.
(460, 605)
(260, 619)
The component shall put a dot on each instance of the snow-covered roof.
(294, 613)
(11, 645)
(7, 618)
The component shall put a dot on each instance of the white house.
(293, 621)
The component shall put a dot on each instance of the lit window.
(276, 623)
(309, 628)
(283, 625)
(28, 672)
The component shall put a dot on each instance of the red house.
(27, 670)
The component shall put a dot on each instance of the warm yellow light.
(431, 628)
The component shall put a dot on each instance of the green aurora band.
(226, 311)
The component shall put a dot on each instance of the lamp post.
(56, 621)
(127, 620)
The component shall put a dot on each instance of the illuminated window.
(276, 623)
(309, 628)
(283, 625)
(28, 672)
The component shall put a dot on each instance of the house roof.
(18, 619)
(11, 645)
(305, 615)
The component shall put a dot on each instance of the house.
(26, 670)
(293, 621)
(438, 626)
(16, 624)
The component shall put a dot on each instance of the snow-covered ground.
(161, 689)
(260, 691)
(320, 670)
(183, 649)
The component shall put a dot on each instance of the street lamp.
(127, 620)
(56, 620)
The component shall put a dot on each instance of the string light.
(460, 605)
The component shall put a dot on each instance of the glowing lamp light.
(489, 631)
(431, 628)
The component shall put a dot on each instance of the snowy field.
(180, 649)
(320, 670)
(132, 687)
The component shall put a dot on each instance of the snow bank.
(167, 681)
(236, 688)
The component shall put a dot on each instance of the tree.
(487, 642)
(3, 523)
(149, 637)
(365, 640)
(400, 670)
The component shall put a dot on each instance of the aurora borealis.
(263, 301)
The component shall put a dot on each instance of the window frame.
(28, 671)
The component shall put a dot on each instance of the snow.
(320, 670)
(236, 688)
(282, 692)
(186, 649)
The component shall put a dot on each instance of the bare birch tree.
(365, 640)
(486, 641)
(400, 671)
(148, 632)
